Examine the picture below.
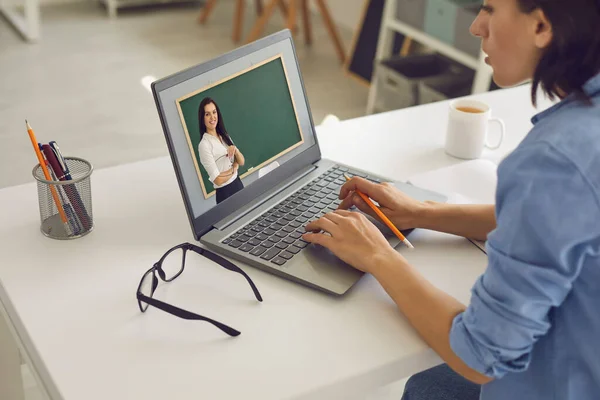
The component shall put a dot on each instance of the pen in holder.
(74, 198)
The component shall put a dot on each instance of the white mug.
(468, 122)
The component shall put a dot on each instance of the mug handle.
(502, 130)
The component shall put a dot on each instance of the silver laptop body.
(262, 223)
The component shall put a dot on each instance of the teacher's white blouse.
(213, 156)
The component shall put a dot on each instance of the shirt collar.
(591, 88)
(212, 137)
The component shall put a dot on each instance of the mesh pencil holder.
(66, 206)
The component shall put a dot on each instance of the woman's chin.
(508, 80)
(502, 81)
(508, 83)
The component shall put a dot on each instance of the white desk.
(73, 309)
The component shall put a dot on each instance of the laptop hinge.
(232, 218)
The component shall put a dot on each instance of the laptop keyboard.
(276, 235)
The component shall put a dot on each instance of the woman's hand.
(231, 151)
(401, 209)
(351, 237)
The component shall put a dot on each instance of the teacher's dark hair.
(573, 56)
(221, 131)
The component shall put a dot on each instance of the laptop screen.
(235, 121)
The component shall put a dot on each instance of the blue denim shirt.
(533, 323)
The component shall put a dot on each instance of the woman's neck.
(212, 132)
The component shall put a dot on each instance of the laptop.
(252, 204)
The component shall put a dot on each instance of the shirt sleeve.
(547, 220)
(208, 161)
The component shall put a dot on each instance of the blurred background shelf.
(442, 26)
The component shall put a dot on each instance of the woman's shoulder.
(205, 141)
(570, 123)
(548, 165)
(572, 130)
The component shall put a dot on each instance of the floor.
(92, 70)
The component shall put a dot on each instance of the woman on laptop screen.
(218, 154)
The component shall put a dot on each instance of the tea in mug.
(471, 110)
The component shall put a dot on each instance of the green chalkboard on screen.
(258, 112)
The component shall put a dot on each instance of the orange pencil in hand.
(382, 216)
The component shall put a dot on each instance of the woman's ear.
(543, 29)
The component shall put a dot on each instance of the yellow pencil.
(42, 162)
(382, 216)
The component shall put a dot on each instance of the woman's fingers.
(321, 224)
(346, 203)
(343, 213)
(330, 222)
(326, 223)
(318, 238)
(369, 188)
(355, 200)
(336, 218)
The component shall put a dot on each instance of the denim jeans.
(440, 383)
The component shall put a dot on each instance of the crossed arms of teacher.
(358, 242)
(239, 161)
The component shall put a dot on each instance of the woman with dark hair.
(218, 155)
(532, 328)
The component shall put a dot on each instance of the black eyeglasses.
(169, 267)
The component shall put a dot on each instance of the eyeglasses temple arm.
(227, 265)
(181, 313)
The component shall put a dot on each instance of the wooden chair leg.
(332, 30)
(206, 10)
(284, 10)
(260, 24)
(238, 23)
(307, 23)
(291, 15)
(259, 7)
(285, 14)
